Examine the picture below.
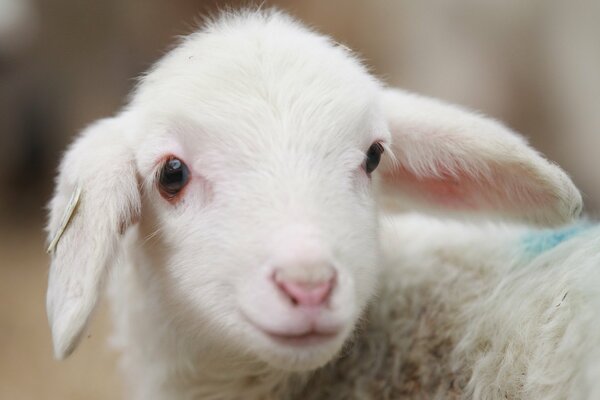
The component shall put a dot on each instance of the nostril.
(306, 293)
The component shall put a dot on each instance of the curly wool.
(474, 318)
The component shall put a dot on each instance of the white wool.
(275, 123)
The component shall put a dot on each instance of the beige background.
(63, 63)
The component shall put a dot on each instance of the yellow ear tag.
(69, 212)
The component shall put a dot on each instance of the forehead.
(254, 80)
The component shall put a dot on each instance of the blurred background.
(64, 63)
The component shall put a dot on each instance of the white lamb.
(241, 184)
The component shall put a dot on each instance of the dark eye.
(373, 157)
(173, 177)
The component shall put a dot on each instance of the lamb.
(251, 213)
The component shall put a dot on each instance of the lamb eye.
(373, 157)
(173, 177)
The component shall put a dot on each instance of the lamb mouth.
(312, 337)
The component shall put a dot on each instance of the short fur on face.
(274, 122)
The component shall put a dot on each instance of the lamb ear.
(453, 160)
(101, 164)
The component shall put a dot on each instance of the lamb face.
(273, 237)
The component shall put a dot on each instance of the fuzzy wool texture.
(465, 313)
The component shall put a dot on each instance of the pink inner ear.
(502, 190)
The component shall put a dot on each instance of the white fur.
(274, 122)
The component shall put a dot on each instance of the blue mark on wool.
(538, 242)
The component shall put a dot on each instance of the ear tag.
(64, 223)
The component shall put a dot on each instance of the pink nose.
(306, 294)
